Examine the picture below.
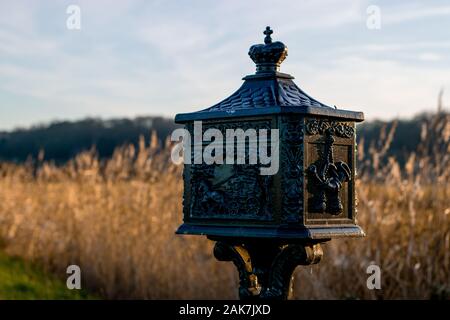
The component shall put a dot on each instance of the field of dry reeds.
(116, 219)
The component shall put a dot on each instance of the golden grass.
(116, 219)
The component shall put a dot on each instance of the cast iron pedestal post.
(266, 267)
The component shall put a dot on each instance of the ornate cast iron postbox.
(269, 222)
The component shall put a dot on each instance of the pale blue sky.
(163, 57)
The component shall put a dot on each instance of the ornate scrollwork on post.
(265, 272)
(248, 282)
(328, 177)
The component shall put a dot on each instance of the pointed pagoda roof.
(268, 91)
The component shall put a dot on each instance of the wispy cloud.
(411, 12)
(430, 56)
(382, 88)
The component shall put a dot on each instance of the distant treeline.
(63, 140)
(404, 141)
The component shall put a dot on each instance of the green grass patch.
(22, 280)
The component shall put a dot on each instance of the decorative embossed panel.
(231, 191)
(291, 155)
(329, 171)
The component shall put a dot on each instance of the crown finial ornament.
(268, 56)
